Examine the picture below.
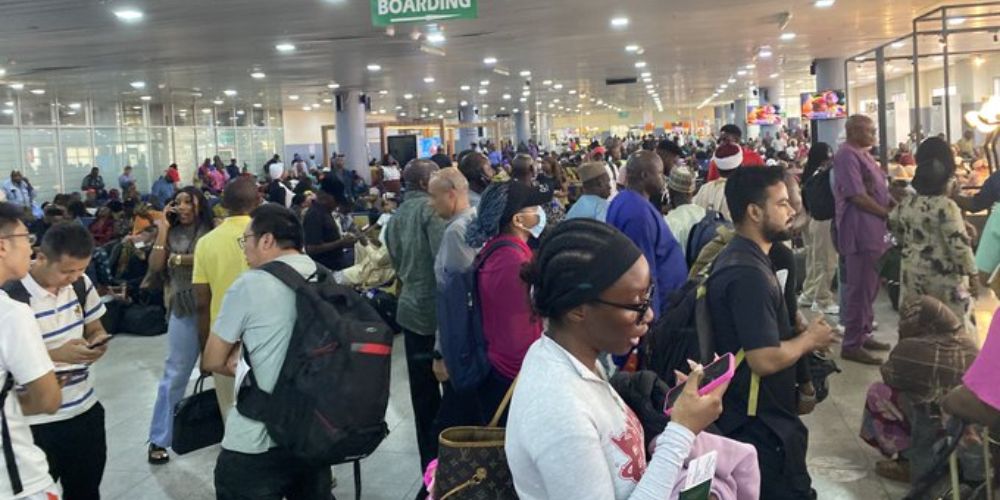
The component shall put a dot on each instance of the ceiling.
(182, 48)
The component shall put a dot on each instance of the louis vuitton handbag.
(472, 464)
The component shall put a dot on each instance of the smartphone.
(717, 373)
(102, 342)
(67, 371)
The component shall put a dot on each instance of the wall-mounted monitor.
(765, 114)
(824, 105)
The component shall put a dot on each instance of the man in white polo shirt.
(68, 314)
(23, 357)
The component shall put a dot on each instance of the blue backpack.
(460, 324)
(703, 233)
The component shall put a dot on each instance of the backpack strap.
(286, 274)
(754, 385)
(80, 289)
(487, 251)
(16, 290)
(10, 460)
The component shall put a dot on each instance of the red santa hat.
(728, 157)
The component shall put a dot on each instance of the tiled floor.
(126, 380)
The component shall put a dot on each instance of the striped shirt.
(61, 318)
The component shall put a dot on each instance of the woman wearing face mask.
(509, 215)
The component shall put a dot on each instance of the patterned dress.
(937, 252)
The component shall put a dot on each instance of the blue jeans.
(184, 348)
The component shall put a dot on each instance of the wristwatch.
(437, 355)
(175, 260)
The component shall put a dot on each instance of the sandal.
(157, 455)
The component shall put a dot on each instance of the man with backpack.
(258, 314)
(748, 316)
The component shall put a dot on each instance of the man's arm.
(868, 204)
(217, 355)
(203, 308)
(42, 395)
(346, 241)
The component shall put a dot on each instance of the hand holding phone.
(715, 375)
(695, 411)
(101, 341)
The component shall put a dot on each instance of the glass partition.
(104, 114)
(185, 153)
(137, 154)
(206, 144)
(40, 162)
(108, 152)
(161, 153)
(10, 156)
(244, 144)
(35, 111)
(77, 154)
(226, 147)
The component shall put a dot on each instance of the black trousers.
(783, 473)
(76, 450)
(425, 392)
(272, 475)
(490, 395)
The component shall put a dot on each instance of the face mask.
(537, 230)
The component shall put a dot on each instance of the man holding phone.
(67, 311)
(749, 315)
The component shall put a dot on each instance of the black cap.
(333, 187)
(670, 147)
(732, 130)
(521, 195)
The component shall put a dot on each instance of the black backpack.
(817, 195)
(328, 404)
(702, 233)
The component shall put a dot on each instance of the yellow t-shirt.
(219, 260)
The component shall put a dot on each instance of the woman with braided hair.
(570, 434)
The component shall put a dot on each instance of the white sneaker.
(832, 309)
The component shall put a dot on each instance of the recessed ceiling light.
(146, 98)
(463, 103)
(765, 53)
(381, 111)
(787, 36)
(571, 92)
(741, 72)
(751, 66)
(640, 64)
(490, 60)
(327, 100)
(217, 102)
(72, 105)
(631, 48)
(647, 80)
(506, 97)
(17, 86)
(402, 114)
(774, 75)
(483, 91)
(526, 93)
(484, 106)
(557, 86)
(206, 110)
(555, 100)
(241, 112)
(333, 85)
(407, 96)
(229, 92)
(3, 72)
(723, 86)
(38, 91)
(523, 99)
(465, 88)
(258, 105)
(428, 79)
(307, 108)
(424, 110)
(823, 4)
(258, 75)
(284, 47)
(525, 73)
(439, 100)
(129, 15)
(619, 22)
(547, 83)
(138, 85)
(956, 21)
(436, 37)
(383, 92)
(293, 97)
(731, 80)
(374, 67)
(484, 83)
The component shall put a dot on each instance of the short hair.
(638, 163)
(10, 214)
(279, 222)
(472, 166)
(522, 166)
(67, 239)
(731, 129)
(748, 186)
(453, 177)
(418, 171)
(669, 146)
(240, 196)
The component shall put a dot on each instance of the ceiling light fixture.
(898, 45)
(547, 83)
(17, 86)
(525, 73)
(436, 37)
(217, 102)
(258, 75)
(284, 47)
(38, 91)
(333, 85)
(774, 75)
(484, 83)
(731, 80)
(463, 103)
(439, 100)
(258, 105)
(787, 37)
(407, 96)
(129, 15)
(956, 21)
(483, 91)
(824, 4)
(72, 105)
(489, 61)
(631, 48)
(229, 92)
(328, 100)
(374, 67)
(765, 52)
(571, 92)
(3, 72)
(523, 99)
(383, 92)
(428, 79)
(506, 97)
(293, 97)
(146, 98)
(619, 22)
(640, 64)
(557, 86)
(138, 85)
(741, 72)
(465, 88)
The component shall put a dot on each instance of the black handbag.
(197, 420)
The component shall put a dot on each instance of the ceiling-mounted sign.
(386, 12)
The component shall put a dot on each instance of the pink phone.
(717, 373)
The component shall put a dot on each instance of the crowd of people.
(578, 261)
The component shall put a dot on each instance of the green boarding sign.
(387, 12)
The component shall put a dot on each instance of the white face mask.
(542, 220)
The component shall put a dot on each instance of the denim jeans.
(182, 354)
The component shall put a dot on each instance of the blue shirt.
(988, 194)
(635, 216)
(18, 194)
(589, 206)
(495, 157)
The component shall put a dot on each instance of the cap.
(728, 157)
(681, 180)
(521, 195)
(591, 170)
(670, 147)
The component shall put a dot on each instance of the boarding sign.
(386, 12)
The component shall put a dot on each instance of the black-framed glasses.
(32, 239)
(640, 308)
(242, 240)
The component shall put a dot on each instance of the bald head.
(860, 131)
(449, 178)
(522, 168)
(449, 192)
(240, 197)
(417, 174)
(644, 173)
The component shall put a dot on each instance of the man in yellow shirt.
(218, 261)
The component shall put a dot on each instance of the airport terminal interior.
(394, 141)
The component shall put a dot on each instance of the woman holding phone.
(187, 218)
(569, 433)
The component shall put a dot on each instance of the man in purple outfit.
(863, 204)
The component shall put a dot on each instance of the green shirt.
(259, 310)
(413, 237)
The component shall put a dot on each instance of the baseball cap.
(521, 195)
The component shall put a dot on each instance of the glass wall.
(56, 144)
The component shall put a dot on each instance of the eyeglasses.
(640, 308)
(242, 240)
(32, 239)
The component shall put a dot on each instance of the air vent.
(620, 81)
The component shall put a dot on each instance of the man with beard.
(749, 318)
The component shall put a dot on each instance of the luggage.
(385, 304)
(197, 420)
(702, 234)
(817, 196)
(328, 404)
(146, 320)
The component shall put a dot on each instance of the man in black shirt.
(749, 313)
(324, 241)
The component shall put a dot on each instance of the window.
(35, 111)
(40, 164)
(77, 154)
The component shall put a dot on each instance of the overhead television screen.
(765, 114)
(824, 105)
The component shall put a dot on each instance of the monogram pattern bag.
(472, 464)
